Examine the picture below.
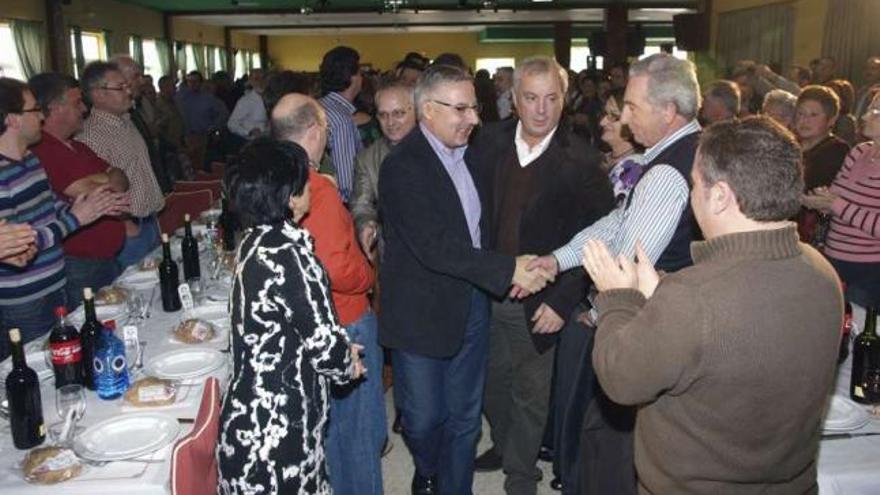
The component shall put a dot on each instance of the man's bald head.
(294, 114)
(299, 118)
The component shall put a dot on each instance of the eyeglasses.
(123, 87)
(396, 114)
(461, 109)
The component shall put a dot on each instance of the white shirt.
(526, 154)
(249, 114)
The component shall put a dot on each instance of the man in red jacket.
(357, 428)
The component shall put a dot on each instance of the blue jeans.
(34, 319)
(86, 272)
(357, 427)
(139, 246)
(440, 404)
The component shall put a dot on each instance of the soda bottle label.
(66, 352)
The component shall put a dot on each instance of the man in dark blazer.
(547, 185)
(435, 277)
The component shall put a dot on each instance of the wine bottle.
(190, 249)
(65, 348)
(89, 334)
(168, 278)
(865, 360)
(227, 226)
(110, 366)
(23, 394)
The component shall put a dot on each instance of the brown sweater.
(731, 361)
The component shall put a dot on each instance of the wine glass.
(70, 402)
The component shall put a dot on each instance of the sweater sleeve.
(644, 348)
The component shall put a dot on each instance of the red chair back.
(193, 462)
(199, 185)
(179, 204)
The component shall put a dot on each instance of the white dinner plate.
(842, 414)
(183, 364)
(126, 436)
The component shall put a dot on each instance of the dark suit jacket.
(430, 268)
(570, 193)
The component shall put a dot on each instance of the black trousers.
(593, 435)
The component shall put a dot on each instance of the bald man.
(357, 428)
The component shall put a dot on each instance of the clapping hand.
(820, 198)
(17, 243)
(357, 366)
(610, 273)
(91, 206)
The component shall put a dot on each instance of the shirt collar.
(526, 155)
(340, 100)
(689, 128)
(109, 117)
(443, 151)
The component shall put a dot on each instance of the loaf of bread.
(111, 295)
(151, 392)
(194, 331)
(49, 465)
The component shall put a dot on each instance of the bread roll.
(49, 465)
(151, 392)
(194, 331)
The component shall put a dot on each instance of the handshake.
(532, 274)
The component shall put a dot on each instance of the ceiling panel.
(195, 6)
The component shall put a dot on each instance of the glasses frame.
(461, 109)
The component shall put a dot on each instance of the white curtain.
(763, 34)
(224, 66)
(30, 45)
(164, 56)
(137, 49)
(852, 35)
(199, 57)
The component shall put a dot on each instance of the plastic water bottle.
(109, 367)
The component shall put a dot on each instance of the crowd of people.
(614, 267)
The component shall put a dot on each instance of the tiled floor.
(397, 468)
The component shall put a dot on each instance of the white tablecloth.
(118, 478)
(850, 466)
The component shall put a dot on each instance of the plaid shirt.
(115, 139)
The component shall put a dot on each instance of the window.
(654, 47)
(492, 64)
(190, 59)
(240, 64)
(93, 48)
(580, 59)
(151, 60)
(9, 64)
(218, 60)
(256, 63)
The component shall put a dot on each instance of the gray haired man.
(660, 107)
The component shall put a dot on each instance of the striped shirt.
(25, 197)
(658, 201)
(344, 142)
(855, 222)
(117, 141)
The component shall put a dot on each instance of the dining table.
(148, 474)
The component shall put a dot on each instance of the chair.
(214, 186)
(178, 204)
(193, 462)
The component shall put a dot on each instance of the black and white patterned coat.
(286, 345)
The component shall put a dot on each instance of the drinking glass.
(69, 400)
